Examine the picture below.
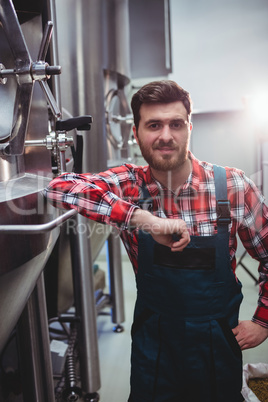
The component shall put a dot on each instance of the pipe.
(83, 279)
(116, 282)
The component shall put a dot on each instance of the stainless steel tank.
(23, 173)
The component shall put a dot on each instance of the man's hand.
(249, 334)
(163, 233)
(162, 229)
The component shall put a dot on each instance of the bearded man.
(178, 218)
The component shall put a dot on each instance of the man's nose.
(165, 134)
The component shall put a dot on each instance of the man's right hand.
(162, 229)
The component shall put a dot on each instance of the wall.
(219, 50)
(225, 138)
(219, 54)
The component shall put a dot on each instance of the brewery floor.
(114, 348)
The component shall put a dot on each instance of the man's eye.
(178, 125)
(154, 125)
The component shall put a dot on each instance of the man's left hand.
(249, 334)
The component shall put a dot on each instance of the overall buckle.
(223, 210)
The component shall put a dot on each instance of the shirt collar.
(151, 183)
(193, 179)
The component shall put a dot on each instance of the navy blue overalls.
(183, 348)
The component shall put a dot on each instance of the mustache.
(164, 144)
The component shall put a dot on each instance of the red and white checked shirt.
(110, 197)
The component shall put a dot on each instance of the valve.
(81, 123)
(26, 73)
(39, 70)
(59, 141)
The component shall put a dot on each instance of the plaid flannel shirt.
(110, 197)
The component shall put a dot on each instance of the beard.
(164, 162)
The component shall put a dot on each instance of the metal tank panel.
(117, 77)
(116, 51)
(79, 32)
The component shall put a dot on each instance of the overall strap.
(223, 204)
(146, 201)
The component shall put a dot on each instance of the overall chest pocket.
(189, 258)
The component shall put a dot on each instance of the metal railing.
(38, 228)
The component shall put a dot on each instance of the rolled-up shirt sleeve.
(254, 235)
(98, 197)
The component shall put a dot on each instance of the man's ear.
(135, 134)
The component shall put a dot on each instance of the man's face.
(163, 135)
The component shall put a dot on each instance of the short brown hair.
(165, 91)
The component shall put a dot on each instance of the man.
(186, 339)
